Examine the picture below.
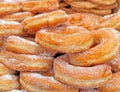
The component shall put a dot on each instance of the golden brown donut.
(23, 62)
(65, 39)
(83, 4)
(35, 82)
(8, 8)
(113, 85)
(10, 28)
(8, 82)
(24, 46)
(94, 11)
(81, 77)
(4, 70)
(112, 6)
(17, 16)
(39, 6)
(107, 40)
(86, 20)
(54, 18)
(103, 2)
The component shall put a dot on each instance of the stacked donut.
(100, 7)
(44, 49)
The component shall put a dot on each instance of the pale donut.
(113, 85)
(35, 82)
(24, 46)
(81, 77)
(8, 28)
(20, 16)
(23, 62)
(8, 82)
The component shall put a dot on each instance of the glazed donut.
(22, 62)
(10, 28)
(113, 85)
(107, 40)
(111, 22)
(16, 91)
(4, 70)
(115, 63)
(81, 77)
(54, 18)
(40, 6)
(8, 82)
(86, 20)
(8, 8)
(17, 16)
(23, 46)
(65, 39)
(35, 82)
(94, 11)
(101, 2)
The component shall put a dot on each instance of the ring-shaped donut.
(35, 82)
(65, 39)
(81, 77)
(107, 40)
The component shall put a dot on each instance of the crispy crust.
(65, 39)
(81, 77)
(35, 82)
(22, 62)
(107, 46)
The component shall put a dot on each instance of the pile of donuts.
(99, 7)
(45, 46)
